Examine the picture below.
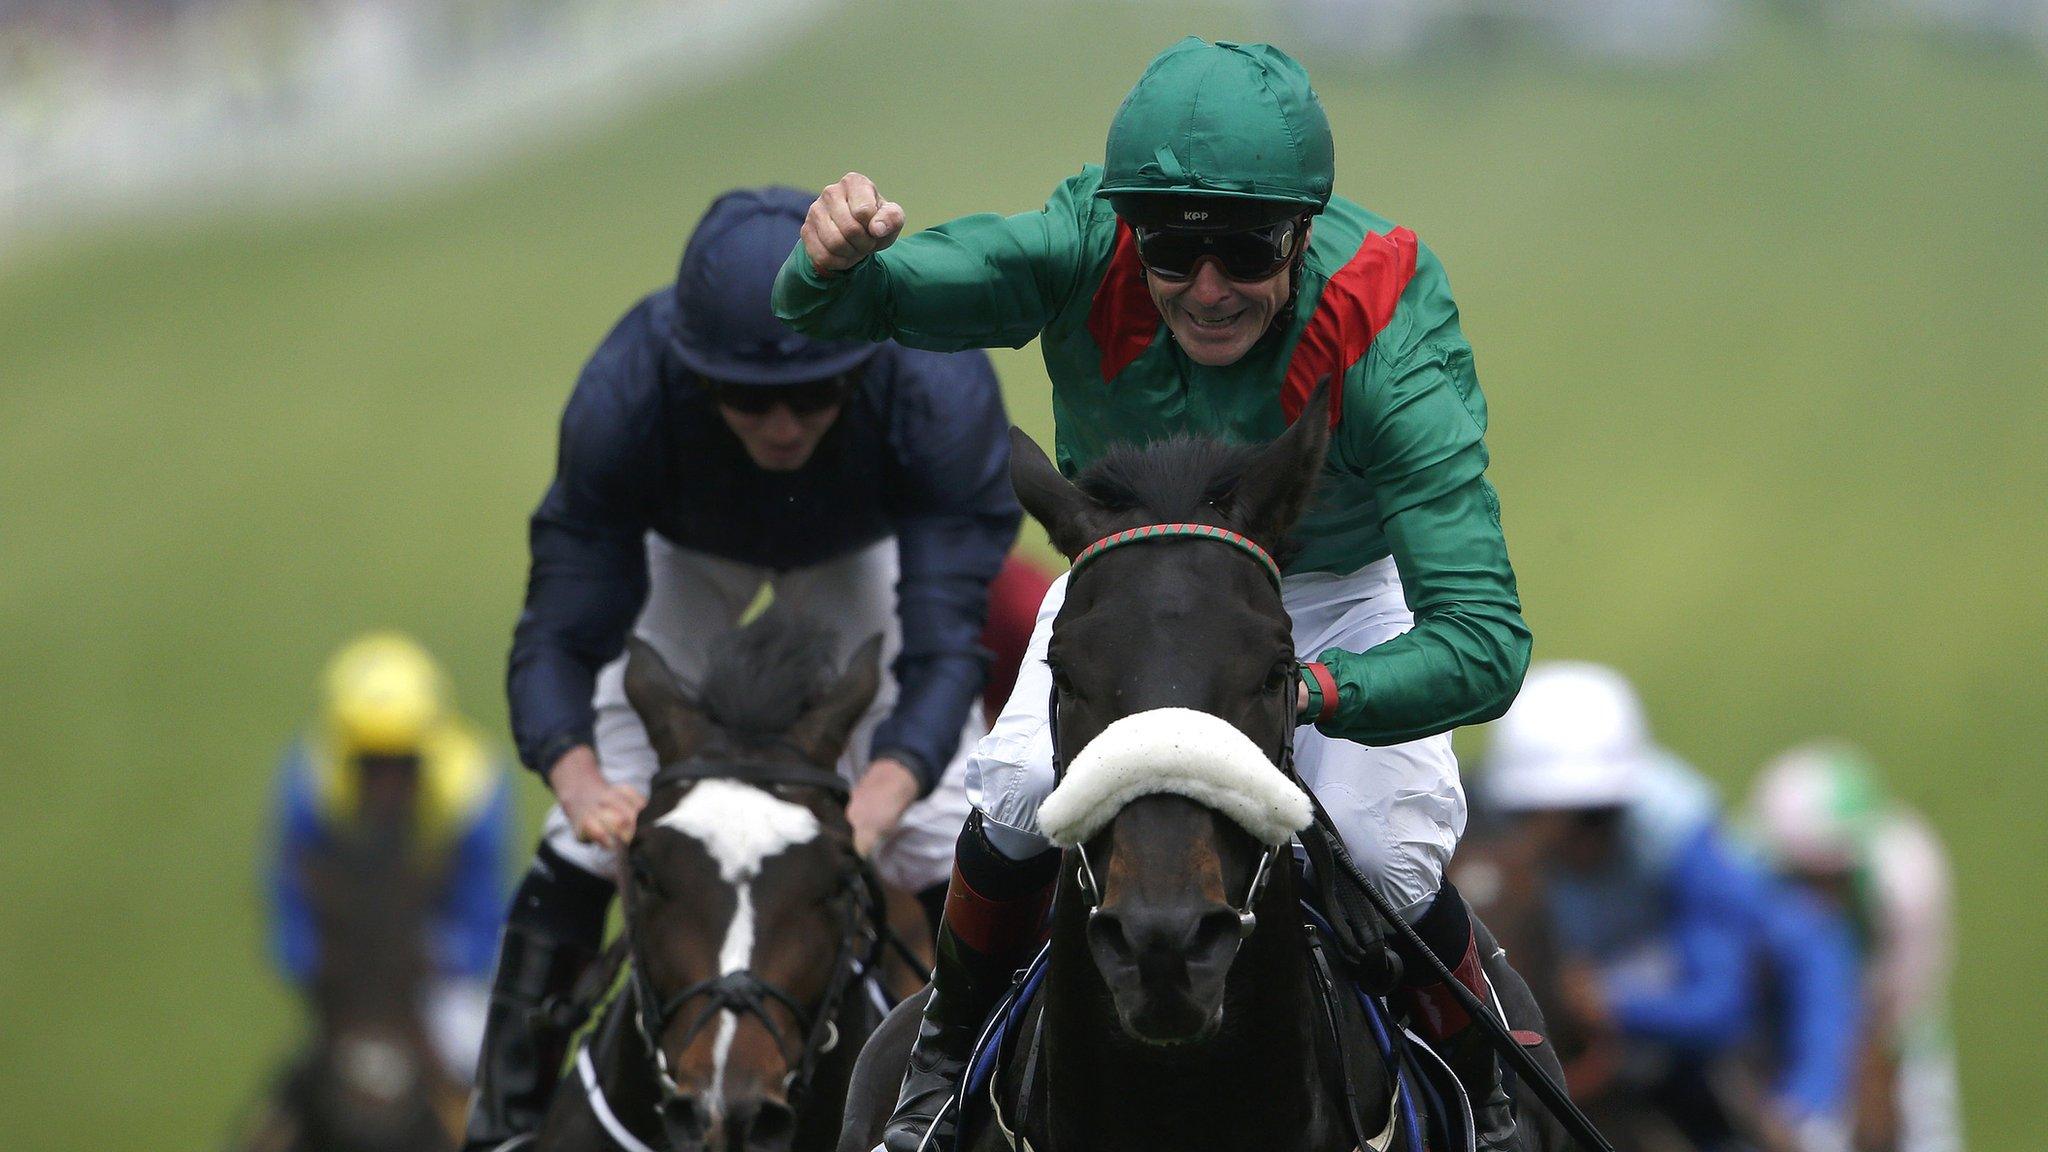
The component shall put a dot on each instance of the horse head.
(375, 1081)
(742, 893)
(1174, 681)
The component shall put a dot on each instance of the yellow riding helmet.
(384, 696)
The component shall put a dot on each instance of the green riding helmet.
(1816, 807)
(1219, 137)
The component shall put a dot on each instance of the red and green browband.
(1322, 687)
(1168, 531)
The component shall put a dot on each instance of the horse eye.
(1279, 676)
(1060, 680)
(644, 877)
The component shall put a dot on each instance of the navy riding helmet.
(725, 330)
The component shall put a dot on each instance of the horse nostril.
(1106, 934)
(687, 1119)
(1163, 944)
(773, 1128)
(756, 1124)
(1223, 927)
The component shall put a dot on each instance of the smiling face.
(1215, 319)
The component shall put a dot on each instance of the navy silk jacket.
(920, 452)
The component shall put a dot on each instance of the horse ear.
(1048, 496)
(820, 733)
(675, 725)
(1278, 483)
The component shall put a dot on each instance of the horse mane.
(762, 677)
(1170, 479)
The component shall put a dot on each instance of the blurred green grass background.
(1765, 338)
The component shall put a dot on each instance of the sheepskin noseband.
(1177, 750)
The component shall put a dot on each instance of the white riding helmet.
(1574, 739)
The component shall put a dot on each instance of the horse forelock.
(1181, 479)
(1175, 750)
(1171, 479)
(761, 678)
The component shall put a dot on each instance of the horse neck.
(1255, 1080)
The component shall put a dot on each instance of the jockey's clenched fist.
(847, 222)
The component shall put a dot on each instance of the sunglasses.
(1254, 254)
(805, 399)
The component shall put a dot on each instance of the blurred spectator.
(386, 748)
(1622, 29)
(1824, 822)
(154, 104)
(1692, 951)
(1632, 31)
(1990, 20)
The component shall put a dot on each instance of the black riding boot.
(1448, 930)
(554, 931)
(995, 911)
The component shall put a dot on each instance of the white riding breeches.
(456, 1010)
(1399, 808)
(692, 600)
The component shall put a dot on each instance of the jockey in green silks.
(1204, 280)
(1822, 818)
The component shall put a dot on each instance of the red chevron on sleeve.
(1356, 305)
(1122, 318)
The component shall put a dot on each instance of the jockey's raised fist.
(848, 222)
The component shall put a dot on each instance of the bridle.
(1283, 756)
(864, 941)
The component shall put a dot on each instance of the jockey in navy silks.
(709, 453)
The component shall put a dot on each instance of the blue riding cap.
(724, 327)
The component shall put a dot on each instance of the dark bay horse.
(370, 1080)
(749, 920)
(1178, 1010)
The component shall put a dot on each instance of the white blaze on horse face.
(741, 828)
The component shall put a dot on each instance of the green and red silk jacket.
(1406, 469)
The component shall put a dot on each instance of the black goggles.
(1247, 256)
(805, 399)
